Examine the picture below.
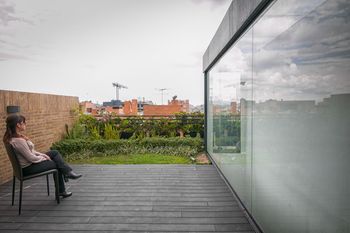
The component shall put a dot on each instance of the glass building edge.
(205, 111)
(253, 17)
(256, 227)
(246, 212)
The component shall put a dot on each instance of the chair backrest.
(16, 166)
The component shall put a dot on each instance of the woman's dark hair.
(11, 123)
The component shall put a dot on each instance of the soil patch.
(202, 159)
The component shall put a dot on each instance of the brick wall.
(130, 107)
(161, 109)
(185, 104)
(46, 116)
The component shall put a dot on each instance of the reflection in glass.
(230, 96)
(278, 117)
(301, 124)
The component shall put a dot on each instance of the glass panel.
(209, 115)
(301, 129)
(229, 116)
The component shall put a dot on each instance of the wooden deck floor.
(128, 198)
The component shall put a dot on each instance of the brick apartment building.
(130, 107)
(134, 107)
(88, 107)
(174, 106)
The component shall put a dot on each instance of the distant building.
(130, 107)
(185, 104)
(286, 106)
(112, 107)
(198, 108)
(233, 107)
(136, 107)
(113, 103)
(161, 110)
(87, 107)
(174, 106)
(141, 104)
(216, 109)
(112, 110)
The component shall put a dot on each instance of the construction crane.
(162, 92)
(117, 87)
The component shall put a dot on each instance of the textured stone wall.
(46, 116)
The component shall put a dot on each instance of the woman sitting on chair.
(32, 161)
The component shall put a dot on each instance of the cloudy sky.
(79, 47)
(303, 56)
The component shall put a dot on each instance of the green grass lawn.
(135, 159)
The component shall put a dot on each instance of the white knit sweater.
(25, 152)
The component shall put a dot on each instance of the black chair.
(17, 173)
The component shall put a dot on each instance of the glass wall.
(279, 117)
(229, 116)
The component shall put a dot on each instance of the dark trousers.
(55, 162)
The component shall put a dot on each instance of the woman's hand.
(46, 157)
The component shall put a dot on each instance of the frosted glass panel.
(301, 117)
(279, 117)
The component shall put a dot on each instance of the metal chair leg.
(20, 197)
(48, 186)
(55, 176)
(13, 189)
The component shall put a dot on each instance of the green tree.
(182, 126)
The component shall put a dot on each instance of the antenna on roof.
(162, 90)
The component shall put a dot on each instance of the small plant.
(95, 133)
(77, 131)
(110, 132)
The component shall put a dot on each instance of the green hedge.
(108, 127)
(84, 148)
(227, 140)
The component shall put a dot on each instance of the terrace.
(282, 67)
(128, 198)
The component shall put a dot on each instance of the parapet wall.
(46, 116)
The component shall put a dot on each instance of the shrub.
(111, 132)
(196, 143)
(77, 131)
(182, 124)
(95, 133)
(226, 141)
(69, 146)
(83, 148)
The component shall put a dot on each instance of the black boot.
(65, 194)
(72, 175)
